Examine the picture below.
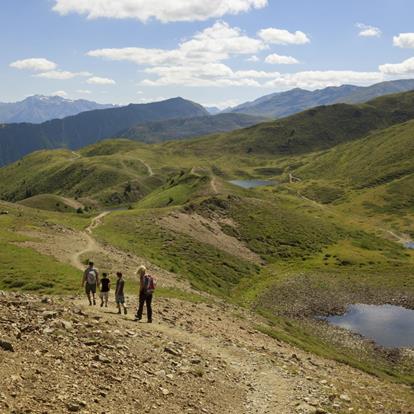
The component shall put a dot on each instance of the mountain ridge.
(41, 108)
(282, 104)
(17, 140)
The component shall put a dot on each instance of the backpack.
(91, 277)
(149, 284)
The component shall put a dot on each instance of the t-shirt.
(105, 285)
(91, 276)
(120, 287)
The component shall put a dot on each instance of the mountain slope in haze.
(38, 108)
(17, 140)
(312, 130)
(152, 132)
(278, 105)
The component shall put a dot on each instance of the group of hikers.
(92, 282)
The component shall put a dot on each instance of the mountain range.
(278, 105)
(17, 140)
(39, 108)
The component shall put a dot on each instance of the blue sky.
(216, 52)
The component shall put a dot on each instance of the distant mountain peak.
(40, 108)
(282, 104)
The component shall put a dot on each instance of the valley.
(245, 273)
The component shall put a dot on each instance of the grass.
(21, 268)
(206, 267)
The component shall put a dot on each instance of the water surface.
(252, 183)
(387, 325)
(409, 245)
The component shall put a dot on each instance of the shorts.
(104, 295)
(90, 288)
(120, 299)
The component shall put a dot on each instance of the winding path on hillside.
(148, 167)
(91, 245)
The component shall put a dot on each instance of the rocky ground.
(58, 355)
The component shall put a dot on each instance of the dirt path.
(214, 185)
(91, 244)
(268, 388)
(148, 167)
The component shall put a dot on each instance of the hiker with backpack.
(90, 280)
(119, 293)
(147, 287)
(104, 288)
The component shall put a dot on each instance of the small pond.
(409, 245)
(387, 325)
(252, 183)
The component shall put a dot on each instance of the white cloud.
(62, 94)
(368, 31)
(404, 40)
(34, 64)
(404, 68)
(229, 103)
(96, 80)
(165, 11)
(322, 79)
(253, 58)
(283, 37)
(84, 91)
(61, 74)
(276, 59)
(213, 44)
(149, 100)
(195, 62)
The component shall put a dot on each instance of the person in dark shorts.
(147, 287)
(119, 293)
(105, 288)
(90, 281)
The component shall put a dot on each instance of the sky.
(215, 52)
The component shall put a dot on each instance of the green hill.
(313, 130)
(97, 173)
(153, 132)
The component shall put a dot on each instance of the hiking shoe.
(149, 320)
(125, 311)
(94, 302)
(101, 304)
(119, 312)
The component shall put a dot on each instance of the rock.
(172, 351)
(49, 314)
(344, 397)
(165, 391)
(6, 345)
(73, 407)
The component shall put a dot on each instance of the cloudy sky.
(216, 52)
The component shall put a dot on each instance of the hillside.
(160, 131)
(38, 108)
(313, 130)
(104, 178)
(278, 105)
(17, 140)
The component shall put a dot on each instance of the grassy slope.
(95, 172)
(24, 269)
(49, 202)
(152, 132)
